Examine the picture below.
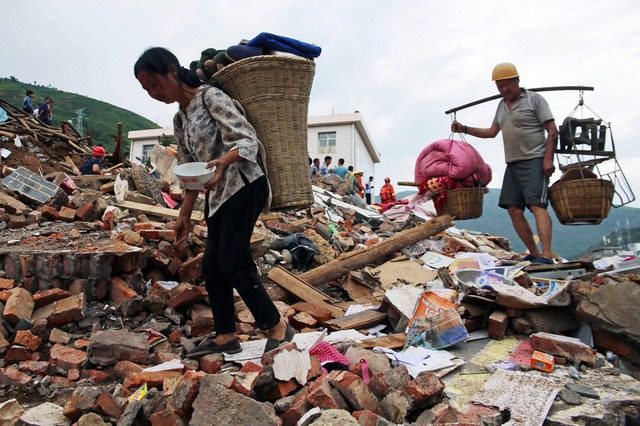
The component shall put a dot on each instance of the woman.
(210, 128)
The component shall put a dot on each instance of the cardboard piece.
(406, 271)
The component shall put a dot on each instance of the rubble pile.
(99, 310)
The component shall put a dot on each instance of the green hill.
(99, 118)
(570, 242)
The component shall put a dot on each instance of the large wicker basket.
(274, 92)
(464, 203)
(581, 201)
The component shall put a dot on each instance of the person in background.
(210, 127)
(368, 190)
(523, 117)
(93, 165)
(314, 169)
(387, 192)
(324, 167)
(350, 178)
(360, 184)
(340, 169)
(27, 106)
(44, 111)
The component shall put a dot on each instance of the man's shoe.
(210, 347)
(275, 343)
(544, 260)
(529, 258)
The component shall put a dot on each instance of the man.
(44, 111)
(313, 169)
(524, 117)
(93, 165)
(324, 167)
(27, 106)
(387, 192)
(340, 169)
(368, 189)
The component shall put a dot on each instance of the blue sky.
(401, 63)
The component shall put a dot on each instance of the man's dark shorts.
(524, 184)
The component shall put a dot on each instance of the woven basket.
(464, 203)
(274, 92)
(581, 201)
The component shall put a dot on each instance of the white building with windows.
(338, 135)
(143, 141)
(342, 136)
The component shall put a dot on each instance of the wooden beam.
(364, 319)
(360, 258)
(391, 341)
(196, 216)
(304, 291)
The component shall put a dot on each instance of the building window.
(327, 142)
(146, 153)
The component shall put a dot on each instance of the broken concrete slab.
(219, 405)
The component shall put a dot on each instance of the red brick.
(353, 390)
(61, 382)
(67, 214)
(281, 227)
(73, 374)
(386, 381)
(45, 297)
(49, 212)
(158, 234)
(168, 417)
(17, 221)
(245, 316)
(186, 391)
(12, 376)
(298, 409)
(108, 405)
(319, 313)
(96, 376)
(19, 353)
(152, 378)
(124, 368)
(62, 311)
(66, 358)
(186, 294)
(369, 418)
(6, 284)
(246, 378)
(120, 291)
(191, 269)
(569, 347)
(211, 363)
(423, 391)
(162, 356)
(137, 227)
(27, 339)
(59, 336)
(86, 212)
(34, 367)
(498, 322)
(303, 320)
(322, 395)
(19, 305)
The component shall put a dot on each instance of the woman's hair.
(158, 60)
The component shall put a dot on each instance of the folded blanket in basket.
(270, 41)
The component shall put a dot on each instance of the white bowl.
(194, 175)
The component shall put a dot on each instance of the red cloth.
(327, 353)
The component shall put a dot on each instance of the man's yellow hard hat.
(504, 71)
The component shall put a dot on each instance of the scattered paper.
(418, 360)
(174, 364)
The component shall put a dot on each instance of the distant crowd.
(353, 178)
